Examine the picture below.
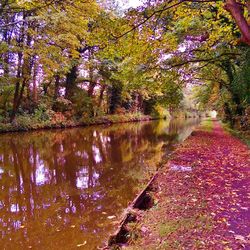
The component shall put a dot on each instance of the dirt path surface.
(203, 196)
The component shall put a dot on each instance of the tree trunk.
(57, 87)
(23, 71)
(228, 114)
(237, 13)
(91, 89)
(115, 96)
(71, 82)
(17, 87)
(15, 100)
(34, 84)
(101, 95)
(92, 84)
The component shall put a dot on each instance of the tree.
(236, 9)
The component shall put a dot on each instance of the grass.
(207, 125)
(167, 228)
(243, 136)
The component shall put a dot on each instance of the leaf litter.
(208, 208)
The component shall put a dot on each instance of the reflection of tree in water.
(57, 182)
(177, 131)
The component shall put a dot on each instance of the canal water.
(65, 189)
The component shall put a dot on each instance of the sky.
(134, 3)
(130, 3)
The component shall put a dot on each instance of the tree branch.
(236, 12)
(147, 19)
(212, 59)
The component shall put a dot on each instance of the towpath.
(203, 196)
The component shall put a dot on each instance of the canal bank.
(29, 124)
(59, 121)
(201, 196)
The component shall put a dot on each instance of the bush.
(62, 104)
(82, 104)
(23, 122)
(58, 118)
(41, 113)
(2, 119)
(159, 111)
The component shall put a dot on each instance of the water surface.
(65, 189)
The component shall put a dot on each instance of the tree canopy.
(77, 59)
